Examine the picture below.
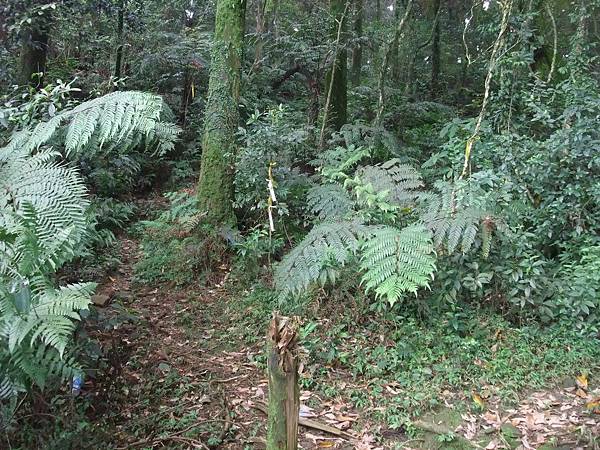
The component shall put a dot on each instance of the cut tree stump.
(284, 399)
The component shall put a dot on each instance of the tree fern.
(33, 365)
(43, 224)
(397, 261)
(325, 249)
(454, 213)
(393, 261)
(401, 181)
(125, 118)
(329, 201)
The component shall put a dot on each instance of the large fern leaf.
(43, 224)
(126, 118)
(454, 213)
(325, 249)
(329, 201)
(401, 181)
(397, 261)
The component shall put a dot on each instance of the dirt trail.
(184, 335)
(188, 382)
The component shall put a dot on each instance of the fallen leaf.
(582, 381)
(594, 405)
(478, 400)
(581, 393)
(493, 445)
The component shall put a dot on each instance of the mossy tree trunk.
(215, 187)
(336, 80)
(284, 399)
(357, 52)
(395, 46)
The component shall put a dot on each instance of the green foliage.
(23, 107)
(329, 201)
(270, 142)
(177, 247)
(455, 213)
(579, 290)
(319, 256)
(397, 261)
(401, 182)
(394, 261)
(126, 119)
(44, 224)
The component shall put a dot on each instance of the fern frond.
(124, 117)
(376, 138)
(401, 181)
(329, 201)
(334, 163)
(43, 222)
(397, 261)
(454, 213)
(327, 246)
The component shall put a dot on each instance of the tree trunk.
(188, 72)
(266, 16)
(119, 56)
(410, 78)
(386, 60)
(261, 30)
(33, 56)
(357, 50)
(284, 399)
(435, 56)
(186, 95)
(215, 187)
(34, 47)
(337, 76)
(395, 46)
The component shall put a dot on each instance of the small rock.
(100, 299)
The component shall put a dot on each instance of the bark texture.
(215, 187)
(34, 48)
(120, 24)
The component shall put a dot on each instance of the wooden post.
(284, 399)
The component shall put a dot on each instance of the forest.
(299, 224)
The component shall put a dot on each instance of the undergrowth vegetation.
(418, 181)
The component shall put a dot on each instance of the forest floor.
(191, 375)
(185, 368)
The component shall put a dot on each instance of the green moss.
(215, 188)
